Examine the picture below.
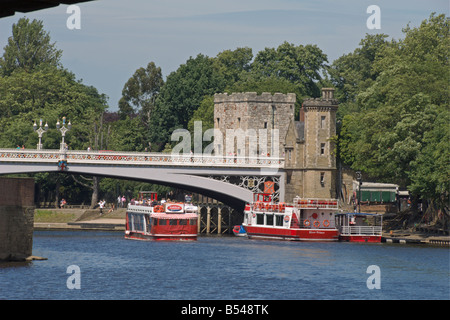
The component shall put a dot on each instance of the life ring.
(326, 223)
(306, 223)
(158, 209)
(316, 224)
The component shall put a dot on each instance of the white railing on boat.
(314, 203)
(361, 230)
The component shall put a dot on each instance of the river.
(103, 265)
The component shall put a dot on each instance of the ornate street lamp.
(40, 132)
(63, 130)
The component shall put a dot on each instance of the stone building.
(310, 162)
(261, 125)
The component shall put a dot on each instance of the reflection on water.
(222, 268)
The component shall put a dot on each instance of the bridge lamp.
(40, 132)
(63, 130)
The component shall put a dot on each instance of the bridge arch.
(227, 193)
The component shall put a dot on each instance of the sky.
(117, 36)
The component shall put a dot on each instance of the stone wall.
(16, 218)
(246, 113)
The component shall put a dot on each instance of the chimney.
(302, 114)
(327, 93)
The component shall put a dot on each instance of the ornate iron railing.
(137, 158)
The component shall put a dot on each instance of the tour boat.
(149, 219)
(360, 227)
(303, 220)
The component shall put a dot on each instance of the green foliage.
(300, 65)
(181, 95)
(46, 93)
(396, 125)
(28, 47)
(140, 91)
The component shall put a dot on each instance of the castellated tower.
(252, 124)
(310, 161)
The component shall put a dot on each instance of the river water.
(222, 268)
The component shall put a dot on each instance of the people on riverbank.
(101, 205)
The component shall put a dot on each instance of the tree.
(231, 64)
(301, 65)
(140, 91)
(28, 47)
(398, 132)
(181, 95)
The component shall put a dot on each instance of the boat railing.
(361, 230)
(315, 203)
(317, 224)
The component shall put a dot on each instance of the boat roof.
(163, 215)
(358, 214)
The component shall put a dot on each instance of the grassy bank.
(71, 215)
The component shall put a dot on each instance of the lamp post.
(359, 179)
(63, 130)
(40, 132)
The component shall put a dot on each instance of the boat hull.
(160, 237)
(292, 234)
(360, 238)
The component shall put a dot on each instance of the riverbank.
(415, 237)
(79, 219)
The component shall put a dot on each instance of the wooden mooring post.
(217, 218)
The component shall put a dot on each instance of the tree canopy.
(395, 119)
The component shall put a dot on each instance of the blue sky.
(117, 36)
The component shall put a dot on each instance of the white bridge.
(230, 179)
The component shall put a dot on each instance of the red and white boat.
(360, 227)
(304, 220)
(149, 219)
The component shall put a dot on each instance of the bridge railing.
(136, 158)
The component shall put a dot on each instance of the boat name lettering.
(174, 207)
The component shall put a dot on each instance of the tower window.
(322, 148)
(322, 179)
(322, 122)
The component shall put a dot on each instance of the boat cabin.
(262, 197)
(364, 227)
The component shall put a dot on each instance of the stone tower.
(252, 124)
(310, 161)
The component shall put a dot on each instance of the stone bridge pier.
(16, 218)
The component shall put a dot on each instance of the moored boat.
(239, 231)
(303, 220)
(150, 219)
(360, 227)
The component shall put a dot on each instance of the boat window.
(173, 222)
(162, 222)
(279, 220)
(138, 223)
(259, 218)
(193, 222)
(183, 222)
(269, 219)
